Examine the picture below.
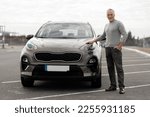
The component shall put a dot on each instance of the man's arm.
(123, 33)
(124, 36)
(103, 36)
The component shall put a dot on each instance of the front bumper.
(38, 72)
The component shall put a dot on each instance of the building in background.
(146, 42)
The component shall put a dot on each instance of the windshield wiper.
(64, 37)
(41, 37)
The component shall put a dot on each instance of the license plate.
(57, 68)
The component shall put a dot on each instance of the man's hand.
(90, 41)
(119, 46)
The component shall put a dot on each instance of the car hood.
(59, 44)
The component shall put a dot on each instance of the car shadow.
(61, 85)
(64, 85)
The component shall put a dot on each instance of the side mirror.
(28, 37)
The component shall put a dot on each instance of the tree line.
(132, 41)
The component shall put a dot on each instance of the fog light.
(92, 61)
(25, 59)
(92, 64)
(25, 63)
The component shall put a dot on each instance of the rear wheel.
(26, 82)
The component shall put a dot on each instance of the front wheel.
(96, 80)
(26, 82)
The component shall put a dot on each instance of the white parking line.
(138, 51)
(134, 57)
(137, 72)
(145, 58)
(80, 93)
(104, 61)
(144, 64)
(61, 95)
(7, 82)
(131, 58)
(137, 60)
(128, 73)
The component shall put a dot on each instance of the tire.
(26, 82)
(96, 80)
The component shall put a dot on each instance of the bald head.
(111, 10)
(111, 15)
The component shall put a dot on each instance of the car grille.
(75, 71)
(57, 57)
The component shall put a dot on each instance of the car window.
(65, 30)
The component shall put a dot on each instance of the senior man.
(113, 46)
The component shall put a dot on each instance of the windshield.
(65, 30)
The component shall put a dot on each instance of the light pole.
(2, 29)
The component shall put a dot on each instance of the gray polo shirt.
(112, 33)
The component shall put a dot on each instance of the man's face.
(110, 15)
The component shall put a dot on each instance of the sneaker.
(111, 88)
(122, 91)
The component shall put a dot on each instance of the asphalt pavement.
(137, 80)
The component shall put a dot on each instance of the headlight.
(87, 47)
(31, 46)
(90, 47)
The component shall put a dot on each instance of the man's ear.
(114, 14)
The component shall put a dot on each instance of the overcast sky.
(26, 16)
